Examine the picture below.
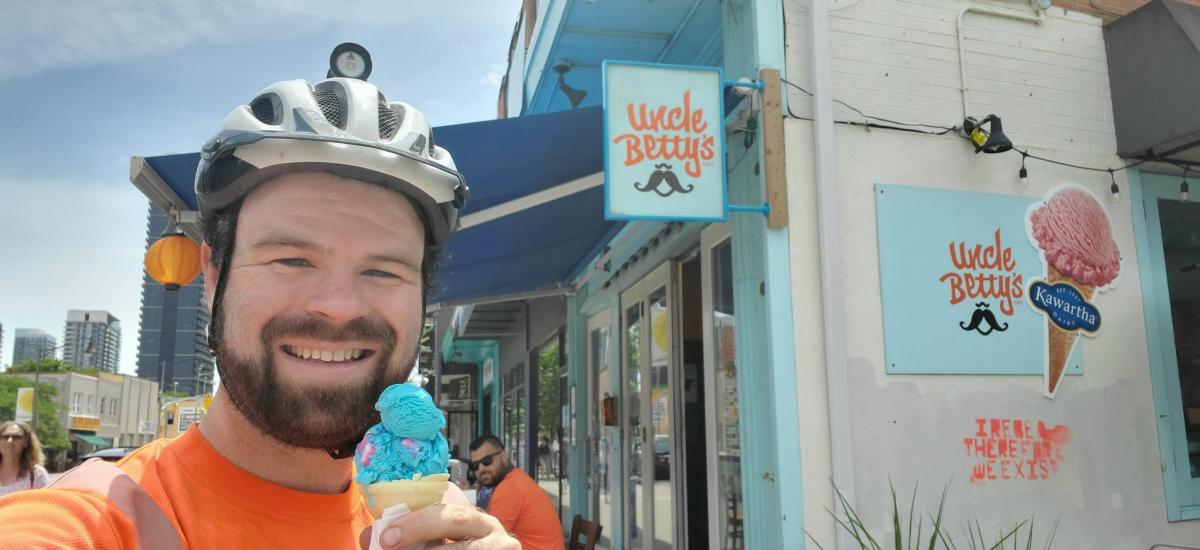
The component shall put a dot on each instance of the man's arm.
(54, 518)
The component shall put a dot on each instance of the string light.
(1023, 175)
(1183, 186)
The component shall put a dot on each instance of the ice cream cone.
(1059, 341)
(415, 493)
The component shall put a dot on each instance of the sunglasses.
(17, 437)
(485, 461)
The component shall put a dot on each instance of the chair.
(590, 531)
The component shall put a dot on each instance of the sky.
(85, 85)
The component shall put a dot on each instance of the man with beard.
(323, 208)
(516, 500)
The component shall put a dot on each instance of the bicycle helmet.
(340, 125)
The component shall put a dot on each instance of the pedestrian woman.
(20, 459)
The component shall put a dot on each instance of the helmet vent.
(264, 109)
(330, 106)
(418, 145)
(389, 121)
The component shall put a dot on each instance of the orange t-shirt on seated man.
(525, 511)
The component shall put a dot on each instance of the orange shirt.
(525, 510)
(210, 501)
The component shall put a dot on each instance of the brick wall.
(1107, 9)
(899, 59)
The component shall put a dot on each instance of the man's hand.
(471, 528)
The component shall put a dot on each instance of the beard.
(302, 415)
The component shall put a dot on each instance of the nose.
(337, 298)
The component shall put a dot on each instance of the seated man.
(522, 507)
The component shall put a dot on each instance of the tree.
(45, 364)
(50, 430)
(549, 400)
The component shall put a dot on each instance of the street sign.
(187, 417)
(663, 142)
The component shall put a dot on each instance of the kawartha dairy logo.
(664, 134)
(983, 272)
(1074, 239)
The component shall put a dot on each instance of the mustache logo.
(663, 173)
(981, 316)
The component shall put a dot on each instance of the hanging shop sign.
(976, 283)
(83, 423)
(664, 145)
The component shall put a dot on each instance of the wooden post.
(774, 173)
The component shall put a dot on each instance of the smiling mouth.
(327, 355)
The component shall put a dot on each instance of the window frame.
(1180, 490)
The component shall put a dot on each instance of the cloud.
(38, 36)
(71, 246)
(494, 75)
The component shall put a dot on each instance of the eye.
(381, 274)
(293, 262)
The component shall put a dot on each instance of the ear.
(210, 272)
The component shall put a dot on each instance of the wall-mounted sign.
(664, 144)
(955, 269)
(1079, 254)
(24, 405)
(84, 423)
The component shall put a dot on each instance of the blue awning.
(536, 208)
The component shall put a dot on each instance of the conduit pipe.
(962, 58)
(833, 303)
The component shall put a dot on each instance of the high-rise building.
(31, 344)
(190, 365)
(92, 339)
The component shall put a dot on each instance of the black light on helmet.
(349, 60)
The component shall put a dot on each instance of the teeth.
(326, 355)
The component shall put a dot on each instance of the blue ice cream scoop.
(407, 441)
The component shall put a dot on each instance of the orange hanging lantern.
(173, 260)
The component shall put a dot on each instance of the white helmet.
(340, 125)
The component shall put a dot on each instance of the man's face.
(322, 307)
(490, 474)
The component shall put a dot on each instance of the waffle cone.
(416, 494)
(1059, 341)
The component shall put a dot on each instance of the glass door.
(602, 426)
(720, 378)
(649, 373)
(1173, 231)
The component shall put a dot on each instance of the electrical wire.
(914, 126)
(944, 129)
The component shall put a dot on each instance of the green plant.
(1020, 536)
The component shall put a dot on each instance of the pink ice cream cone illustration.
(1073, 233)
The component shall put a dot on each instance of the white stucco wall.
(898, 60)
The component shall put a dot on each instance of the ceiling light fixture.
(562, 67)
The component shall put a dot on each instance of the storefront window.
(633, 388)
(729, 464)
(1181, 249)
(660, 418)
(603, 432)
(513, 427)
